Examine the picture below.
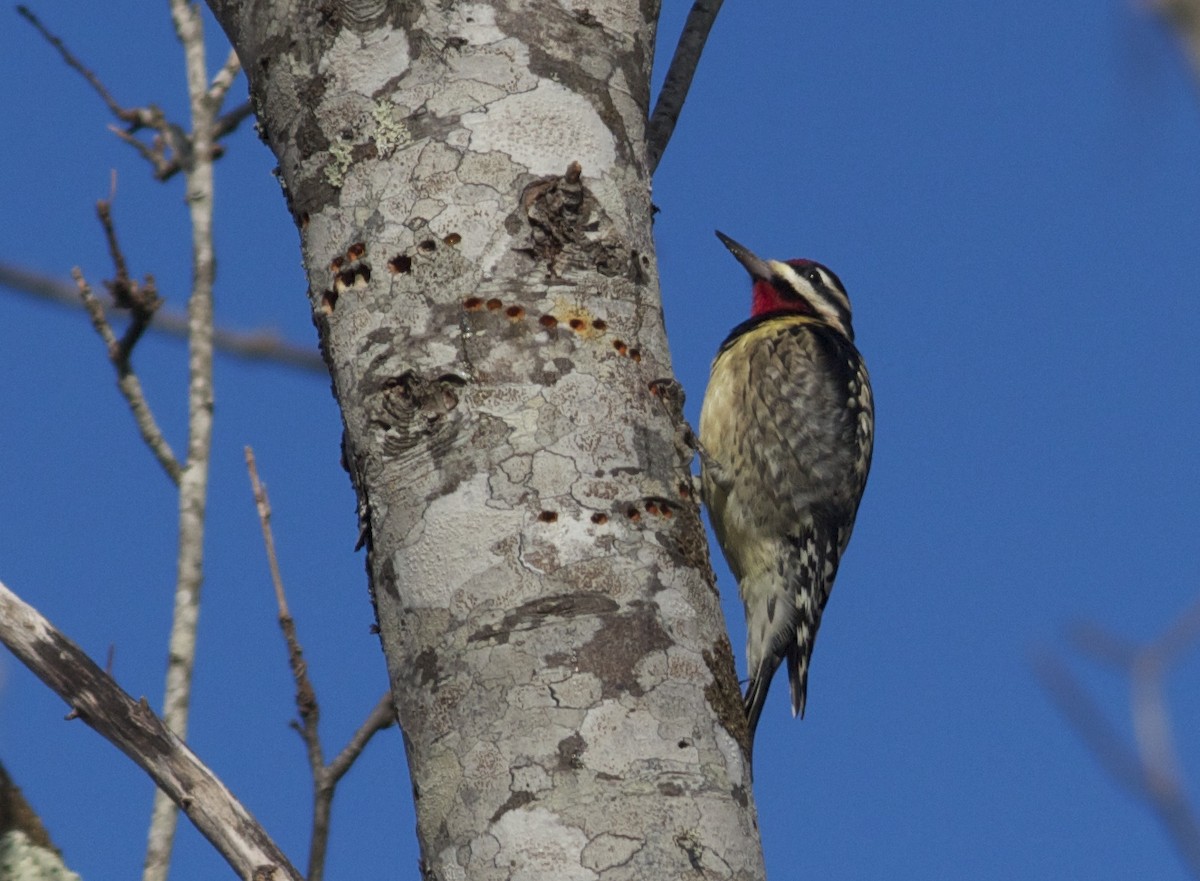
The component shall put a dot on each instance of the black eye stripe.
(812, 274)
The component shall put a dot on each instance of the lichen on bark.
(469, 184)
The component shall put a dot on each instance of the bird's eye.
(813, 274)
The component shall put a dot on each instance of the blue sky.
(1011, 195)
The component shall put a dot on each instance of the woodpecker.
(786, 433)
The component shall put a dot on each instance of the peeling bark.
(470, 186)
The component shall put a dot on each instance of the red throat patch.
(766, 298)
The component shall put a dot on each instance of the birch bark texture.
(470, 185)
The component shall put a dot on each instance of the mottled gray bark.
(26, 851)
(470, 185)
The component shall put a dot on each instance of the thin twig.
(155, 152)
(137, 117)
(170, 149)
(1102, 646)
(380, 718)
(1182, 635)
(325, 783)
(224, 79)
(139, 299)
(104, 212)
(325, 777)
(679, 79)
(254, 345)
(1162, 780)
(306, 700)
(134, 729)
(128, 383)
(228, 122)
(167, 168)
(1088, 721)
(263, 505)
(1149, 768)
(1152, 724)
(1182, 16)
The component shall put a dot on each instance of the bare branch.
(134, 729)
(167, 168)
(1088, 720)
(195, 152)
(1149, 768)
(325, 777)
(128, 383)
(252, 345)
(139, 299)
(170, 148)
(1152, 724)
(306, 699)
(228, 122)
(155, 152)
(1183, 16)
(224, 79)
(263, 504)
(1182, 635)
(1102, 646)
(135, 117)
(1162, 779)
(679, 79)
(383, 716)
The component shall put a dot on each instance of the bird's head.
(802, 286)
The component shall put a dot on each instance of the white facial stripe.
(834, 288)
(818, 300)
(795, 279)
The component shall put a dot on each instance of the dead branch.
(381, 717)
(195, 152)
(1149, 767)
(128, 383)
(170, 148)
(224, 79)
(139, 299)
(135, 117)
(1183, 17)
(325, 777)
(325, 781)
(251, 345)
(134, 729)
(306, 699)
(679, 79)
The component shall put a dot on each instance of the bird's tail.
(760, 682)
(797, 667)
(756, 691)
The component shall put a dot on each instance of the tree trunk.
(470, 186)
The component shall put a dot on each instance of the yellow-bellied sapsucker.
(786, 433)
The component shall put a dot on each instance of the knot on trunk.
(569, 228)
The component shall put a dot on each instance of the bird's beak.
(756, 267)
